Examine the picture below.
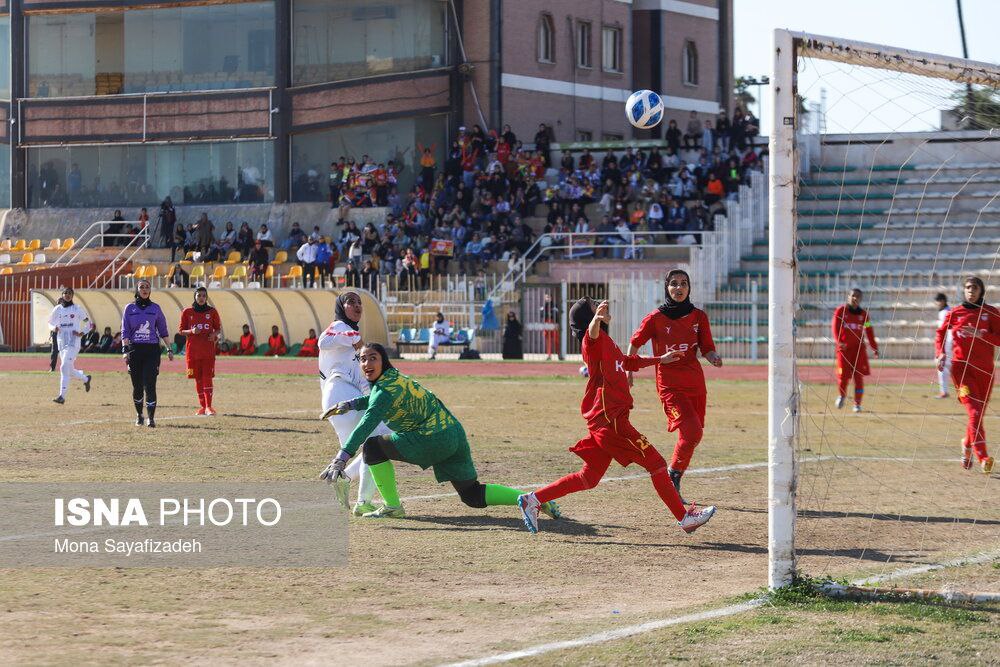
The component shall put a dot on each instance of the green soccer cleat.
(360, 509)
(551, 509)
(386, 512)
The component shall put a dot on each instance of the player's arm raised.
(601, 315)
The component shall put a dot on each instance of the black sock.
(151, 410)
(138, 407)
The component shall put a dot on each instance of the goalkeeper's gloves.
(338, 409)
(337, 466)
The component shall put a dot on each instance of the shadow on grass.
(471, 522)
(201, 427)
(825, 514)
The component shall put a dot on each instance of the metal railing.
(94, 237)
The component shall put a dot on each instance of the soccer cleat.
(210, 411)
(943, 394)
(551, 509)
(151, 423)
(59, 399)
(386, 512)
(675, 477)
(201, 412)
(988, 465)
(139, 421)
(86, 383)
(839, 403)
(695, 518)
(966, 456)
(856, 408)
(360, 509)
(529, 511)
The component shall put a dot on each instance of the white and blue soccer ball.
(644, 109)
(584, 371)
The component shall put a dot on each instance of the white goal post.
(782, 266)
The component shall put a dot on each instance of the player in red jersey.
(678, 325)
(850, 325)
(975, 332)
(606, 406)
(201, 324)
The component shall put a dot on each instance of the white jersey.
(942, 314)
(337, 356)
(69, 319)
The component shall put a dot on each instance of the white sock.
(366, 485)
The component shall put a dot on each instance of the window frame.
(584, 135)
(584, 51)
(617, 64)
(689, 63)
(545, 36)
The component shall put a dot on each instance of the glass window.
(584, 135)
(141, 175)
(690, 63)
(174, 49)
(334, 41)
(612, 49)
(4, 57)
(546, 39)
(583, 44)
(391, 140)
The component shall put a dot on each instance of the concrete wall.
(913, 148)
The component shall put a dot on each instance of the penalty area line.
(721, 612)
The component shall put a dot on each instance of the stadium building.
(120, 103)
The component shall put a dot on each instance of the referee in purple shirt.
(143, 327)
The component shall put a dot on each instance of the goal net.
(885, 178)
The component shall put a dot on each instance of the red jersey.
(688, 335)
(849, 329)
(248, 344)
(201, 344)
(276, 345)
(979, 351)
(608, 396)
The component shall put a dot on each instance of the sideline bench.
(421, 338)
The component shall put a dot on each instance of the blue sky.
(923, 25)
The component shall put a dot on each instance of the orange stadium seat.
(219, 273)
(68, 244)
(27, 258)
(36, 244)
(234, 257)
(281, 257)
(19, 246)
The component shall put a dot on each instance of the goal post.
(893, 203)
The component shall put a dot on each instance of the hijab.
(580, 317)
(340, 313)
(982, 293)
(139, 301)
(675, 310)
(197, 307)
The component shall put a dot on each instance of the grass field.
(451, 583)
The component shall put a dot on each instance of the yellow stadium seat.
(239, 272)
(198, 271)
(5, 245)
(281, 257)
(219, 273)
(189, 255)
(54, 244)
(68, 244)
(140, 272)
(269, 272)
(6, 271)
(151, 271)
(36, 244)
(19, 246)
(234, 257)
(294, 274)
(27, 258)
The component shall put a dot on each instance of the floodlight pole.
(781, 389)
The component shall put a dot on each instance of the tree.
(977, 108)
(743, 97)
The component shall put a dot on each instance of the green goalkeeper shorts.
(446, 451)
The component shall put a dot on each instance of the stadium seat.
(219, 273)
(152, 271)
(5, 258)
(197, 271)
(27, 258)
(140, 272)
(215, 284)
(269, 272)
(68, 244)
(238, 284)
(251, 285)
(5, 245)
(189, 255)
(6, 271)
(280, 257)
(19, 246)
(234, 257)
(170, 271)
(239, 272)
(35, 244)
(40, 258)
(54, 244)
(294, 274)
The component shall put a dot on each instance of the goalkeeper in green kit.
(424, 433)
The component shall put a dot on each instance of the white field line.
(731, 610)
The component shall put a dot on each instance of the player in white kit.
(944, 375)
(342, 380)
(69, 321)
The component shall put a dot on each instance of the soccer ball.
(584, 372)
(644, 109)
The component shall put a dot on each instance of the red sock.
(563, 486)
(208, 396)
(198, 387)
(668, 494)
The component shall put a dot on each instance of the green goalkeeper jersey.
(404, 406)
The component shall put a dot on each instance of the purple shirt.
(143, 325)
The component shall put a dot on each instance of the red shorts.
(679, 406)
(972, 385)
(620, 440)
(201, 368)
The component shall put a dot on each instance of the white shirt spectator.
(265, 236)
(307, 253)
(440, 333)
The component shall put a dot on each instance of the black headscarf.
(139, 301)
(340, 313)
(198, 308)
(581, 314)
(64, 302)
(386, 363)
(675, 310)
(982, 293)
